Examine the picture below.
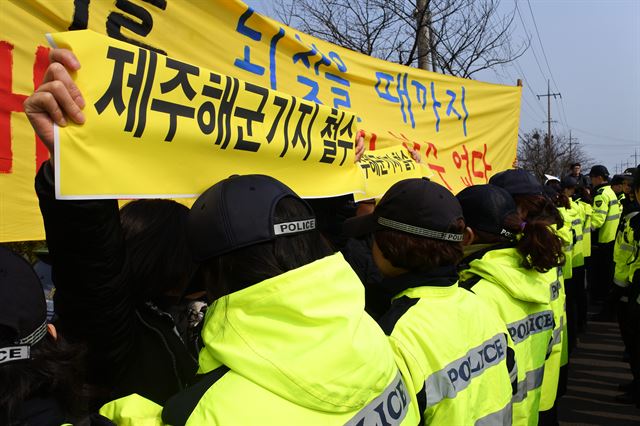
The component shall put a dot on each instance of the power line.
(563, 116)
(544, 54)
(607, 137)
(564, 111)
(528, 86)
(548, 96)
(563, 119)
(524, 27)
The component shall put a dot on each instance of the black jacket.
(132, 347)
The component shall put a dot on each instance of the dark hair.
(561, 200)
(420, 254)
(540, 247)
(247, 266)
(575, 164)
(636, 179)
(539, 206)
(55, 370)
(159, 261)
(584, 194)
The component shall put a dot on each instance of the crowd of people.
(255, 306)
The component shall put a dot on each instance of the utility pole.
(423, 21)
(570, 144)
(548, 96)
(635, 157)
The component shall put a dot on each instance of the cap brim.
(360, 226)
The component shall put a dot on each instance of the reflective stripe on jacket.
(554, 361)
(451, 358)
(624, 251)
(577, 225)
(586, 228)
(522, 299)
(567, 235)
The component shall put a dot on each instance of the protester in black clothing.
(117, 275)
(357, 252)
(629, 201)
(581, 180)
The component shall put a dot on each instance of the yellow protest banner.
(465, 130)
(158, 127)
(384, 167)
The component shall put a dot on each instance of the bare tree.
(464, 36)
(540, 157)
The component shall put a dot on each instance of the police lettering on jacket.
(555, 290)
(457, 375)
(534, 323)
(475, 361)
(388, 409)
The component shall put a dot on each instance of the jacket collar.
(443, 276)
(471, 254)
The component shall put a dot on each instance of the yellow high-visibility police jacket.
(606, 213)
(624, 251)
(299, 349)
(577, 225)
(634, 266)
(295, 349)
(133, 410)
(567, 234)
(586, 227)
(453, 348)
(522, 299)
(553, 363)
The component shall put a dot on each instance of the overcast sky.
(592, 48)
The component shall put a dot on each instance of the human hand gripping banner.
(465, 130)
(158, 127)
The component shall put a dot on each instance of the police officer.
(583, 198)
(631, 390)
(574, 172)
(604, 220)
(520, 282)
(459, 369)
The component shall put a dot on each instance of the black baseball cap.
(23, 309)
(617, 179)
(239, 212)
(599, 170)
(414, 206)
(568, 182)
(517, 182)
(485, 208)
(550, 192)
